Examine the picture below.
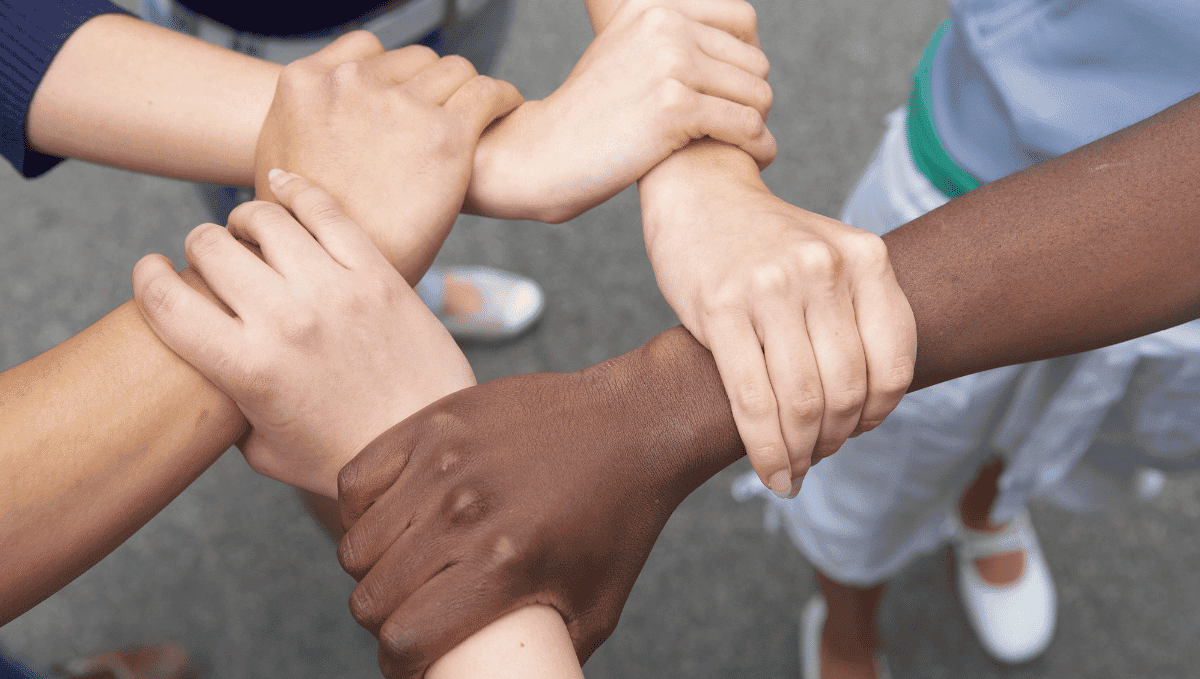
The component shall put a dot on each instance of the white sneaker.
(511, 304)
(812, 623)
(1014, 622)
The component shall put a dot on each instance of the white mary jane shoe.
(812, 623)
(1014, 622)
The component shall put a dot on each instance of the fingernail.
(781, 483)
(796, 488)
(273, 174)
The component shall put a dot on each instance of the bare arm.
(126, 93)
(96, 436)
(1085, 250)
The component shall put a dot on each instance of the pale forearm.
(129, 94)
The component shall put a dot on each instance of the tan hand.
(652, 81)
(329, 345)
(383, 132)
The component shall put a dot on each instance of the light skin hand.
(328, 346)
(377, 128)
(811, 333)
(658, 76)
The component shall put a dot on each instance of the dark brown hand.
(547, 488)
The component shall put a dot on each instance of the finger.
(231, 271)
(734, 124)
(792, 369)
(481, 100)
(737, 351)
(285, 246)
(185, 320)
(369, 538)
(403, 566)
(722, 46)
(438, 81)
(320, 215)
(833, 331)
(889, 338)
(440, 615)
(719, 79)
(353, 46)
(396, 67)
(373, 471)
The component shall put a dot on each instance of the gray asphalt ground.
(236, 571)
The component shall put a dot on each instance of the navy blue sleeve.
(31, 33)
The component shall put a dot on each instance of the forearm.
(96, 436)
(1082, 251)
(129, 94)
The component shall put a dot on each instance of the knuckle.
(464, 505)
(446, 422)
(294, 77)
(423, 52)
(363, 40)
(771, 278)
(747, 16)
(674, 97)
(204, 239)
(761, 65)
(894, 381)
(846, 401)
(819, 258)
(364, 608)
(459, 63)
(300, 327)
(748, 121)
(401, 645)
(765, 96)
(316, 204)
(351, 558)
(807, 407)
(671, 59)
(754, 401)
(160, 296)
(869, 248)
(345, 75)
(657, 19)
(507, 552)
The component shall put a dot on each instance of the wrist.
(669, 399)
(692, 178)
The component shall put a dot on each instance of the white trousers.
(1083, 430)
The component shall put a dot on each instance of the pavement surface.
(235, 570)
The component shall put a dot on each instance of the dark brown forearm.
(1089, 249)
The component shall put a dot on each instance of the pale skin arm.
(130, 94)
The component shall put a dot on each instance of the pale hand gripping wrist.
(814, 339)
(659, 75)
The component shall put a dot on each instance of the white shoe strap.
(974, 544)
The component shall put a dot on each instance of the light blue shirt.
(1015, 82)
